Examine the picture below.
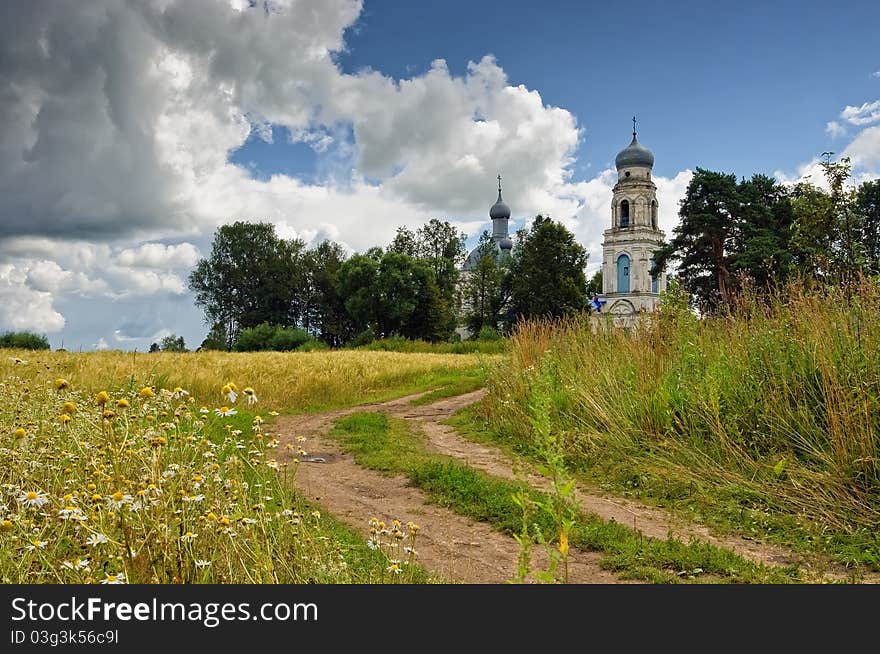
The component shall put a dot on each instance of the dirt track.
(457, 548)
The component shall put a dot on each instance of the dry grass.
(286, 381)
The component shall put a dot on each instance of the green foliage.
(486, 288)
(216, 338)
(400, 344)
(547, 272)
(24, 341)
(173, 343)
(488, 333)
(271, 337)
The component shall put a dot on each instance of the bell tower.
(634, 236)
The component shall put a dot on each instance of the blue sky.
(131, 131)
(740, 87)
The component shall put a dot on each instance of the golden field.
(141, 468)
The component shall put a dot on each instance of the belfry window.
(654, 214)
(624, 213)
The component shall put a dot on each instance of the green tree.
(547, 271)
(324, 309)
(357, 289)
(867, 208)
(216, 338)
(761, 245)
(24, 341)
(703, 241)
(594, 286)
(484, 291)
(251, 277)
(173, 343)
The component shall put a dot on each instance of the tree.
(761, 244)
(216, 338)
(24, 341)
(594, 286)
(867, 208)
(704, 238)
(547, 271)
(356, 286)
(154, 347)
(251, 277)
(172, 343)
(484, 289)
(324, 309)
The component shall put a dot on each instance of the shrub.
(488, 333)
(24, 341)
(271, 337)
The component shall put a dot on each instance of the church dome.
(499, 209)
(505, 243)
(635, 154)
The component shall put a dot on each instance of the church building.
(634, 237)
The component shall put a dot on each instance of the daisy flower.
(33, 498)
(179, 393)
(114, 579)
(96, 539)
(251, 395)
(229, 392)
(225, 411)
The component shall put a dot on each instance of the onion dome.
(635, 154)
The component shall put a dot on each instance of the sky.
(130, 130)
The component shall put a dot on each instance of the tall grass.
(775, 405)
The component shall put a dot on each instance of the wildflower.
(201, 563)
(68, 408)
(108, 414)
(229, 393)
(204, 409)
(258, 420)
(5, 525)
(64, 418)
(19, 433)
(79, 564)
(316, 515)
(147, 392)
(118, 500)
(96, 539)
(61, 384)
(114, 579)
(179, 393)
(102, 398)
(33, 498)
(71, 513)
(188, 537)
(274, 413)
(36, 544)
(193, 498)
(225, 411)
(17, 361)
(394, 568)
(122, 403)
(373, 545)
(251, 395)
(563, 543)
(224, 520)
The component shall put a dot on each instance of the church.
(634, 236)
(628, 288)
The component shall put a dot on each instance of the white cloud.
(101, 344)
(25, 308)
(835, 129)
(157, 255)
(865, 114)
(864, 150)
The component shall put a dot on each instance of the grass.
(762, 422)
(399, 344)
(143, 485)
(387, 444)
(289, 381)
(466, 382)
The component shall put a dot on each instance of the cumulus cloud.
(157, 255)
(25, 308)
(864, 114)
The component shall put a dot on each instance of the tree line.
(260, 291)
(761, 233)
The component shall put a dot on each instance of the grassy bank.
(387, 444)
(764, 422)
